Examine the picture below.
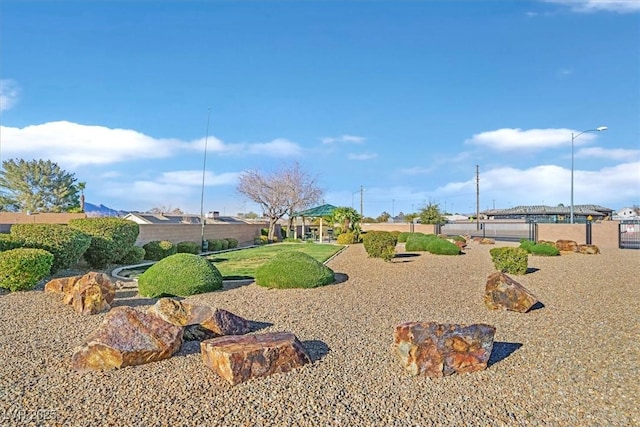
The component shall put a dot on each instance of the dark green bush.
(22, 268)
(293, 269)
(380, 244)
(264, 232)
(134, 256)
(65, 244)
(418, 242)
(442, 247)
(347, 238)
(215, 245)
(159, 249)
(188, 248)
(111, 238)
(179, 275)
(8, 242)
(224, 244)
(510, 260)
(402, 237)
(263, 240)
(233, 243)
(540, 249)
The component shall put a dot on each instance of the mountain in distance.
(101, 210)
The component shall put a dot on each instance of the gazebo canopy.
(318, 211)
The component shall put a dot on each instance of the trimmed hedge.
(402, 237)
(293, 269)
(111, 238)
(159, 249)
(510, 260)
(8, 242)
(442, 247)
(66, 244)
(233, 243)
(188, 248)
(179, 275)
(418, 242)
(347, 238)
(214, 245)
(380, 244)
(540, 249)
(21, 269)
(134, 256)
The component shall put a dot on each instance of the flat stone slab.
(238, 358)
(437, 350)
(504, 293)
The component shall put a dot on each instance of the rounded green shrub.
(442, 247)
(510, 260)
(134, 256)
(179, 275)
(21, 269)
(540, 249)
(402, 237)
(233, 243)
(188, 248)
(293, 269)
(380, 244)
(159, 249)
(224, 244)
(418, 242)
(8, 242)
(66, 244)
(111, 238)
(215, 245)
(347, 238)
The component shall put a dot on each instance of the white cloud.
(194, 178)
(343, 138)
(613, 154)
(416, 170)
(620, 6)
(362, 156)
(509, 139)
(9, 94)
(72, 144)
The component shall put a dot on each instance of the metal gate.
(629, 237)
(498, 230)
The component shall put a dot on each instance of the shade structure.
(318, 211)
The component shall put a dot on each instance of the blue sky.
(404, 98)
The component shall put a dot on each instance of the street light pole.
(573, 138)
(361, 197)
(204, 246)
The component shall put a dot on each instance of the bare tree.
(279, 193)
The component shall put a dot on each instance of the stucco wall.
(603, 234)
(399, 226)
(176, 233)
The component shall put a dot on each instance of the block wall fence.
(176, 233)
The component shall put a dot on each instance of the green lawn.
(243, 263)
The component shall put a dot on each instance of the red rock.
(438, 350)
(87, 294)
(502, 292)
(238, 358)
(588, 249)
(200, 322)
(127, 337)
(566, 245)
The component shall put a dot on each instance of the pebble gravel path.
(573, 362)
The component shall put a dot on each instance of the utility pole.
(477, 197)
(361, 198)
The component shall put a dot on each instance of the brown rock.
(487, 241)
(238, 358)
(566, 245)
(200, 322)
(438, 350)
(127, 337)
(588, 249)
(87, 294)
(502, 292)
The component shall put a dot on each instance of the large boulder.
(502, 292)
(88, 294)
(238, 358)
(588, 249)
(127, 337)
(201, 322)
(566, 245)
(438, 350)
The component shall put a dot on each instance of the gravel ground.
(573, 362)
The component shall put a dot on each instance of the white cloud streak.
(343, 138)
(592, 6)
(509, 139)
(619, 154)
(9, 94)
(361, 156)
